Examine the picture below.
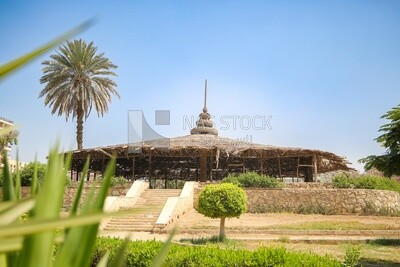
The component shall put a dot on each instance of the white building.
(4, 123)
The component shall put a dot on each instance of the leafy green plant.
(366, 182)
(32, 241)
(222, 201)
(29, 170)
(342, 181)
(352, 256)
(141, 253)
(253, 179)
(119, 181)
(388, 163)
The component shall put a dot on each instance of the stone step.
(131, 229)
(117, 224)
(142, 220)
(152, 198)
(134, 219)
(163, 190)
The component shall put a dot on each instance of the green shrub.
(231, 178)
(141, 253)
(342, 181)
(28, 170)
(119, 181)
(352, 256)
(253, 179)
(26, 174)
(366, 182)
(222, 201)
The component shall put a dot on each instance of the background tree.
(389, 163)
(8, 137)
(77, 79)
(222, 201)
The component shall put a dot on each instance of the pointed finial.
(205, 98)
(205, 95)
(204, 124)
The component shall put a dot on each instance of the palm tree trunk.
(79, 128)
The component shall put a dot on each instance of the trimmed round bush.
(222, 201)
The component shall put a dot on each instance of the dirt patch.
(193, 220)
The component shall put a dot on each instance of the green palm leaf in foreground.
(32, 242)
(23, 60)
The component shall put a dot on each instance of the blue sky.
(325, 71)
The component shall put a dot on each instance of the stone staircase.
(144, 214)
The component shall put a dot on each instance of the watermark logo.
(141, 134)
(139, 130)
(234, 122)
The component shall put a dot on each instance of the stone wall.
(70, 193)
(309, 185)
(321, 200)
(328, 176)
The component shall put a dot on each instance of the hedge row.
(141, 253)
(366, 182)
(253, 179)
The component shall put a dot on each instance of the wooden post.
(197, 169)
(102, 167)
(280, 170)
(150, 171)
(315, 163)
(261, 166)
(203, 168)
(133, 169)
(211, 166)
(298, 163)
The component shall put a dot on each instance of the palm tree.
(77, 79)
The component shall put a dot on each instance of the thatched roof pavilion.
(204, 155)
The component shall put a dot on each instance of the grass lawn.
(319, 225)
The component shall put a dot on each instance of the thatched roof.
(211, 145)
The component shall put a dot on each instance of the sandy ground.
(195, 225)
(195, 220)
